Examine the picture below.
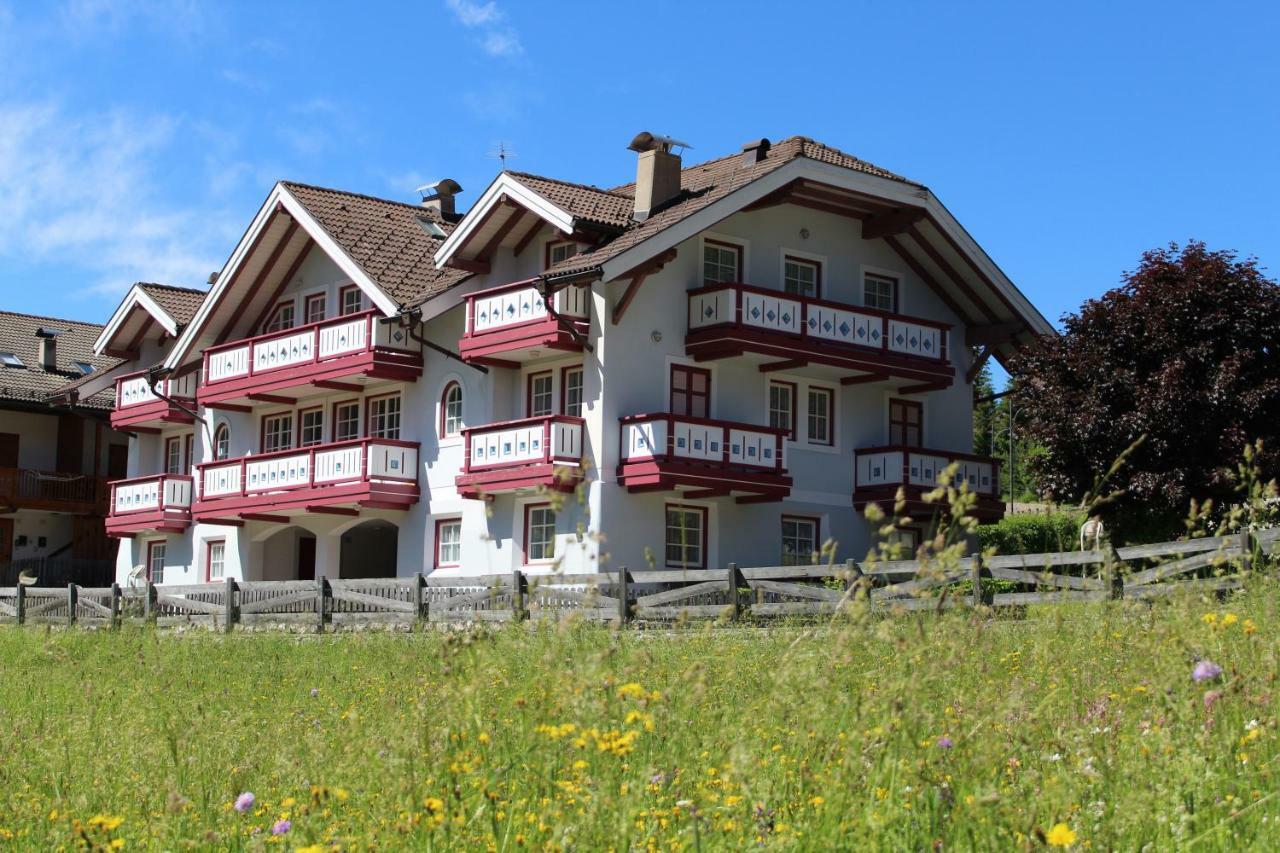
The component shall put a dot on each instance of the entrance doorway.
(369, 550)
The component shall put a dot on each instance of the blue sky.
(138, 138)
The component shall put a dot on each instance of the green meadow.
(1075, 726)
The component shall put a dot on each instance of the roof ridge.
(170, 287)
(415, 207)
(579, 185)
(53, 319)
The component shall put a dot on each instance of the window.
(346, 420)
(281, 318)
(277, 433)
(782, 407)
(539, 533)
(155, 561)
(539, 399)
(352, 300)
(559, 250)
(690, 391)
(906, 419)
(314, 310)
(8, 359)
(84, 367)
(173, 455)
(310, 427)
(222, 442)
(571, 390)
(215, 560)
(686, 536)
(451, 411)
(880, 291)
(801, 277)
(384, 417)
(720, 262)
(448, 543)
(907, 539)
(821, 404)
(799, 540)
(188, 449)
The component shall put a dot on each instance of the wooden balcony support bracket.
(863, 378)
(791, 364)
(272, 398)
(345, 387)
(703, 494)
(227, 407)
(890, 224)
(758, 499)
(978, 363)
(224, 522)
(922, 388)
(478, 267)
(262, 516)
(332, 510)
(637, 276)
(991, 334)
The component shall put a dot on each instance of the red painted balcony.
(161, 503)
(518, 456)
(513, 323)
(139, 409)
(729, 320)
(342, 353)
(703, 458)
(337, 478)
(880, 471)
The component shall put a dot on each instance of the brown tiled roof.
(180, 302)
(387, 239)
(706, 183)
(582, 201)
(33, 384)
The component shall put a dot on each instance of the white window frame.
(149, 548)
(302, 425)
(220, 562)
(381, 408)
(567, 388)
(703, 513)
(527, 527)
(830, 393)
(743, 245)
(531, 380)
(265, 431)
(802, 558)
(306, 305)
(802, 386)
(884, 272)
(446, 435)
(455, 543)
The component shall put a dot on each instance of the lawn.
(1078, 726)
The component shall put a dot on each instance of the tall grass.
(1078, 724)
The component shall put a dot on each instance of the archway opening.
(369, 550)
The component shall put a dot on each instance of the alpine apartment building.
(720, 362)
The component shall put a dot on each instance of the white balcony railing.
(515, 304)
(549, 440)
(142, 494)
(920, 468)
(665, 436)
(134, 390)
(363, 460)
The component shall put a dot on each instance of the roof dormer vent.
(755, 151)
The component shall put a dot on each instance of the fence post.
(980, 594)
(232, 614)
(624, 595)
(853, 577)
(322, 590)
(1246, 551)
(517, 595)
(149, 604)
(1113, 579)
(420, 596)
(115, 605)
(73, 595)
(734, 576)
(20, 604)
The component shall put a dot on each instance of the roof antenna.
(501, 151)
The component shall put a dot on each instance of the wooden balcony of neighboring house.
(788, 332)
(159, 503)
(339, 478)
(514, 323)
(138, 407)
(521, 456)
(342, 353)
(703, 458)
(880, 471)
(52, 491)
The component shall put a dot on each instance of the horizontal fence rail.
(1210, 565)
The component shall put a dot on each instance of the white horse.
(1092, 530)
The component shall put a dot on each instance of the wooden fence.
(1195, 566)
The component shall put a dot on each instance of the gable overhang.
(492, 222)
(263, 263)
(927, 237)
(137, 315)
(96, 383)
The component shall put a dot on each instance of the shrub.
(1037, 533)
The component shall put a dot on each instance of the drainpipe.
(548, 299)
(412, 318)
(154, 375)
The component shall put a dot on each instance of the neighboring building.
(54, 459)
(741, 355)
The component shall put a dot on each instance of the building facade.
(724, 362)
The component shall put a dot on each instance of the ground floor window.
(448, 542)
(155, 561)
(539, 533)
(216, 560)
(799, 540)
(907, 538)
(686, 539)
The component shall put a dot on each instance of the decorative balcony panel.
(703, 458)
(143, 504)
(519, 456)
(513, 323)
(880, 471)
(355, 348)
(727, 320)
(138, 407)
(372, 472)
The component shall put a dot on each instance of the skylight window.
(431, 228)
(84, 367)
(8, 359)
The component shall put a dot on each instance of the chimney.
(438, 196)
(755, 151)
(657, 172)
(48, 347)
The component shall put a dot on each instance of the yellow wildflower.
(1061, 836)
(1209, 618)
(1229, 619)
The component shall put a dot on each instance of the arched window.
(451, 411)
(222, 442)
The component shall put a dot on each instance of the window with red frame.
(384, 417)
(277, 432)
(155, 560)
(282, 317)
(315, 307)
(351, 300)
(782, 406)
(571, 391)
(906, 422)
(721, 262)
(173, 455)
(540, 400)
(690, 391)
(215, 560)
(451, 411)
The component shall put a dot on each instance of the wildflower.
(310, 848)
(1205, 670)
(1229, 619)
(1060, 836)
(483, 737)
(945, 742)
(102, 821)
(244, 802)
(1250, 626)
(281, 827)
(1209, 618)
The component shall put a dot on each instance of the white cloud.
(502, 43)
(495, 39)
(471, 14)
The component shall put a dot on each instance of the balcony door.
(690, 391)
(9, 450)
(906, 423)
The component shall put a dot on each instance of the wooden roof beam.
(889, 224)
(991, 334)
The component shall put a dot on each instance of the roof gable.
(144, 307)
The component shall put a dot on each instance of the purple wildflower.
(244, 802)
(281, 827)
(1205, 670)
(945, 742)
